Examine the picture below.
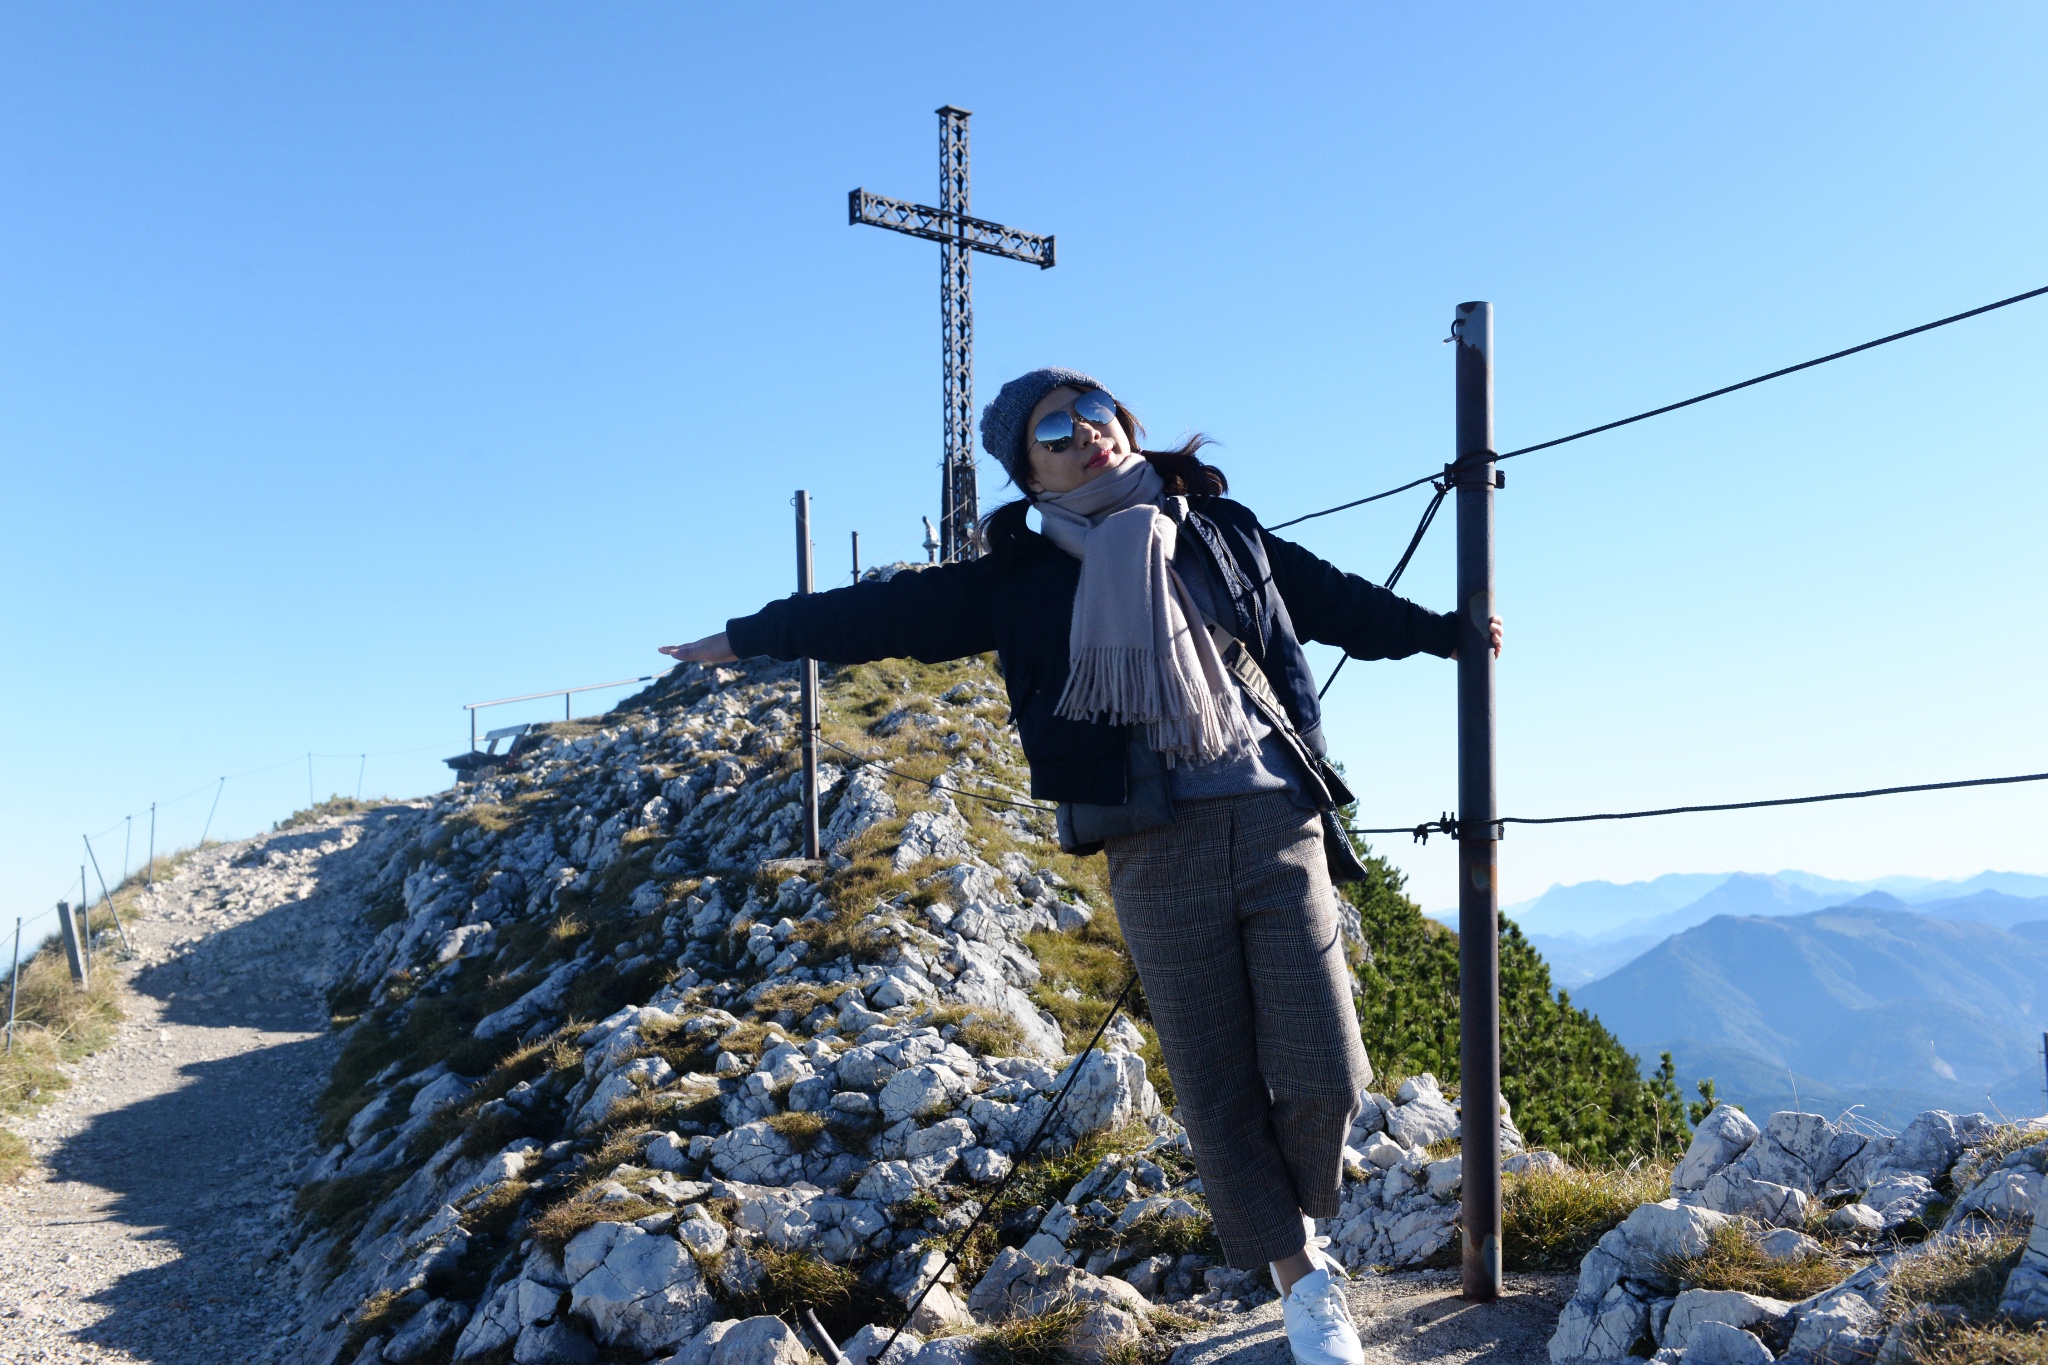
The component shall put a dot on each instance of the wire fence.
(1442, 482)
(1682, 403)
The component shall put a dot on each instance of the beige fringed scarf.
(1139, 652)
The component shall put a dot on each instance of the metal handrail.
(563, 692)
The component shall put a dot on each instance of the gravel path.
(150, 1228)
(1406, 1318)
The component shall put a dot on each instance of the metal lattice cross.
(958, 236)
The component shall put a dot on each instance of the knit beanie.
(1002, 421)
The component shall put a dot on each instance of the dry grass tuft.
(15, 1157)
(1933, 1340)
(1550, 1221)
(1037, 1340)
(555, 1226)
(1733, 1261)
(794, 1280)
(1957, 1272)
(800, 1131)
(1985, 1157)
(55, 1023)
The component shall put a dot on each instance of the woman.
(1151, 638)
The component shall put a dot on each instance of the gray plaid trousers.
(1232, 921)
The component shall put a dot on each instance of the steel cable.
(989, 1204)
(1688, 402)
(1449, 824)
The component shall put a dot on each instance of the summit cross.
(959, 236)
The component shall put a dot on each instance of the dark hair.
(1005, 533)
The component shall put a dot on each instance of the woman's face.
(1093, 452)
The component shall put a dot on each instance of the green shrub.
(1573, 1087)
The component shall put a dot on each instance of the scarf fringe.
(1183, 719)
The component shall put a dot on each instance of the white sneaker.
(1319, 1326)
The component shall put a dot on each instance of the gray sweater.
(1269, 768)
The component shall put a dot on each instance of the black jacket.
(1020, 604)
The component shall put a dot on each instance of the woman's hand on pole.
(716, 649)
(1493, 634)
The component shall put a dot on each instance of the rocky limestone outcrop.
(1872, 1192)
(635, 1049)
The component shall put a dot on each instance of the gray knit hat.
(1002, 421)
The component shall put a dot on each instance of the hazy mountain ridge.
(1587, 930)
(1897, 1007)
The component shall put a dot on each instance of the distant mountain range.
(1874, 1003)
(1589, 929)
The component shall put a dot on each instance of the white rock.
(947, 1351)
(1732, 1190)
(1699, 1306)
(1854, 1218)
(866, 1345)
(1538, 1162)
(425, 1330)
(888, 1182)
(1104, 1330)
(1157, 1206)
(1789, 1245)
(1931, 1143)
(985, 1165)
(2007, 1196)
(555, 1343)
(1383, 1152)
(1899, 1197)
(922, 1091)
(1843, 1328)
(669, 1152)
(1112, 1090)
(702, 1236)
(644, 1292)
(1044, 1247)
(756, 1154)
(1446, 1176)
(1604, 1329)
(765, 1340)
(1717, 1343)
(1423, 1119)
(931, 834)
(1722, 1136)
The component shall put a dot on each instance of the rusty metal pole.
(14, 983)
(1478, 850)
(856, 556)
(78, 954)
(810, 680)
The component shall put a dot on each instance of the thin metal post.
(856, 556)
(565, 705)
(810, 680)
(1478, 850)
(361, 764)
(107, 895)
(74, 951)
(127, 843)
(149, 874)
(14, 984)
(472, 728)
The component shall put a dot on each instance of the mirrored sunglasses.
(1055, 430)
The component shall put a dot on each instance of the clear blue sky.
(359, 361)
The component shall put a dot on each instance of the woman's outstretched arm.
(929, 614)
(1363, 619)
